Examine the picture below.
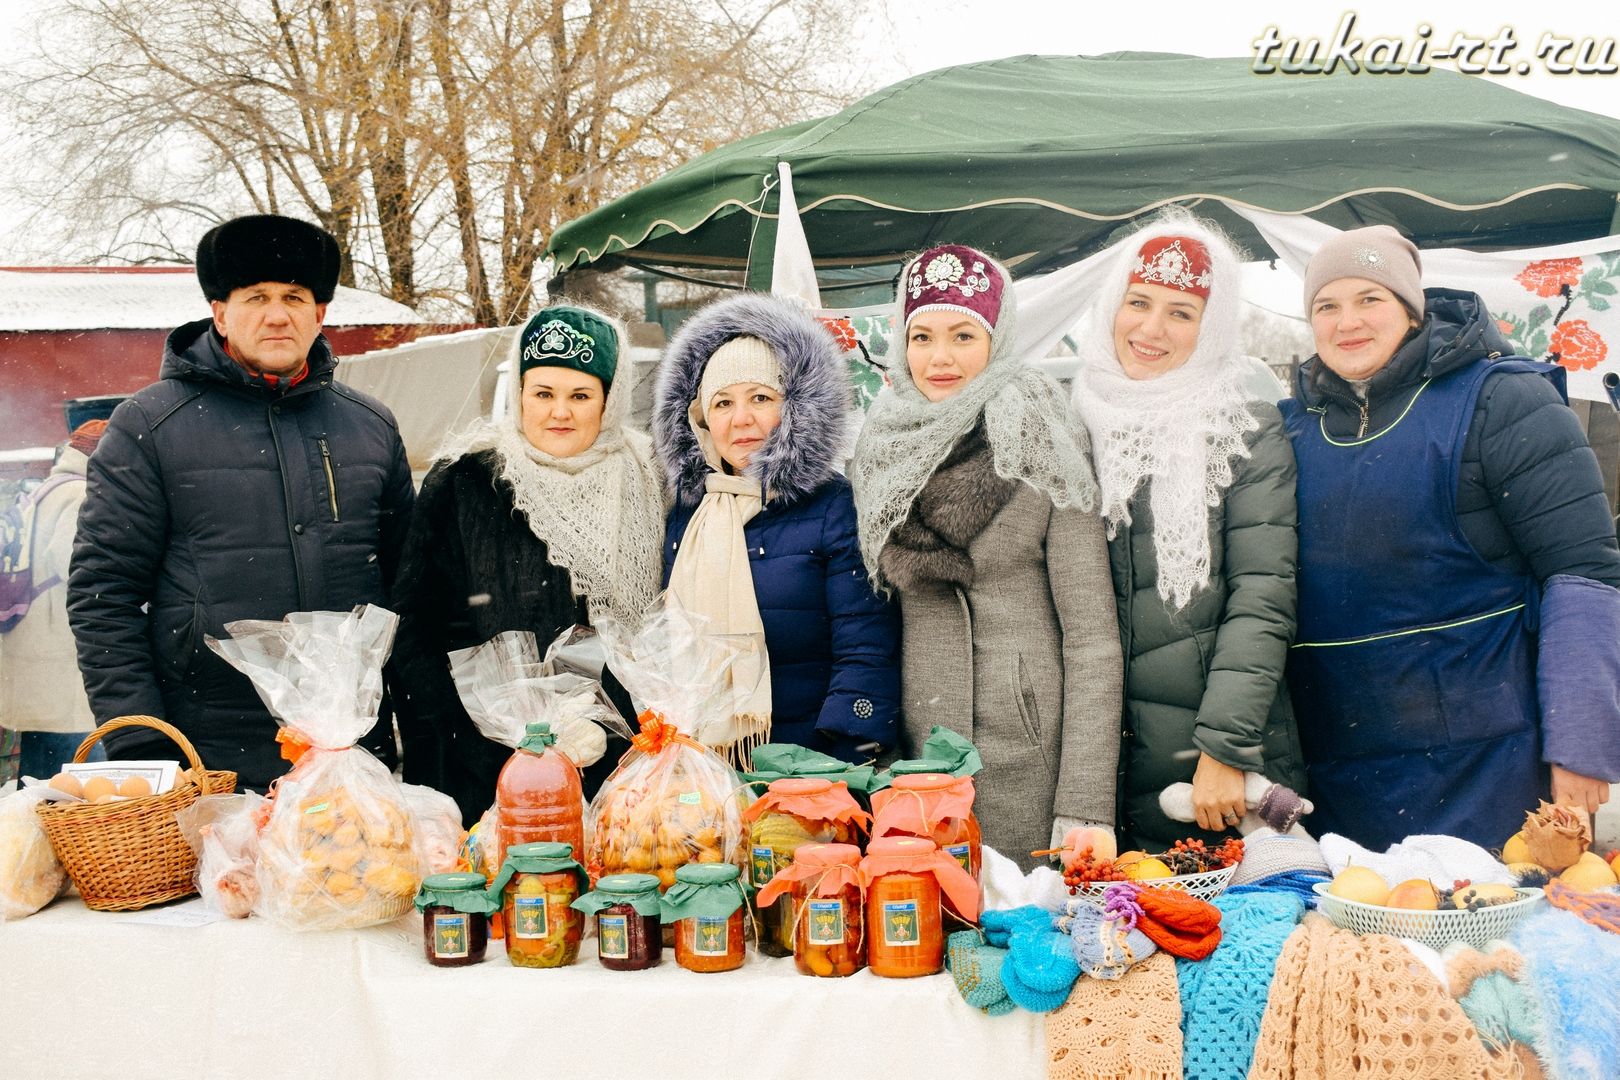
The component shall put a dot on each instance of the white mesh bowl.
(1436, 929)
(1205, 886)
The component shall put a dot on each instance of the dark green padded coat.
(1210, 676)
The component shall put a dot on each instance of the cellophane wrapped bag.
(224, 832)
(337, 850)
(672, 800)
(505, 686)
(30, 874)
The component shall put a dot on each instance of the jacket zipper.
(287, 498)
(331, 481)
(1361, 432)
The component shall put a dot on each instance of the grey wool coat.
(1025, 662)
(1210, 677)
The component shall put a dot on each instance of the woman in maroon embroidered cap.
(1198, 494)
(976, 504)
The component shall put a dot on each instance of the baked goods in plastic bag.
(338, 849)
(224, 832)
(505, 686)
(672, 800)
(436, 824)
(30, 874)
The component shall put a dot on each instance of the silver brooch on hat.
(559, 341)
(1371, 258)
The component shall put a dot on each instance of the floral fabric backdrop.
(866, 335)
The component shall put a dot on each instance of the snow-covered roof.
(92, 299)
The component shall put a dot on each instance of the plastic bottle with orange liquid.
(538, 797)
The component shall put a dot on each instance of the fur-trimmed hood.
(803, 452)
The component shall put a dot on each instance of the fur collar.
(951, 510)
(805, 450)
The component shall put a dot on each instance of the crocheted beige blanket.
(1123, 1029)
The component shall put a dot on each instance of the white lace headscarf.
(1033, 436)
(1185, 428)
(600, 512)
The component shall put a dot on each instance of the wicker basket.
(1436, 929)
(1205, 886)
(130, 854)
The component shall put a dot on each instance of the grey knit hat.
(1377, 253)
(1267, 853)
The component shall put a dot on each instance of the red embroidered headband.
(1176, 262)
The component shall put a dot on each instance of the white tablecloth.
(111, 996)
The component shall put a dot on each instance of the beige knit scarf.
(712, 578)
(1119, 1029)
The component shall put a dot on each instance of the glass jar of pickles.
(538, 885)
(908, 880)
(629, 933)
(455, 918)
(791, 813)
(828, 920)
(706, 906)
(924, 800)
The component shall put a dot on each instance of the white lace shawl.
(1032, 434)
(600, 512)
(1184, 429)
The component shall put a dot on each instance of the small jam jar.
(706, 904)
(629, 933)
(538, 885)
(455, 918)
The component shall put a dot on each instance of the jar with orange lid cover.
(908, 880)
(828, 927)
(924, 800)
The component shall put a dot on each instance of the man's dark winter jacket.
(472, 569)
(1530, 494)
(833, 645)
(214, 497)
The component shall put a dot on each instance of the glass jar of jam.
(706, 906)
(906, 879)
(828, 926)
(629, 933)
(791, 813)
(924, 800)
(455, 918)
(538, 885)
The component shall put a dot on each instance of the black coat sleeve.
(430, 576)
(1540, 482)
(117, 553)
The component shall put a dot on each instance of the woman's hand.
(1217, 795)
(1573, 789)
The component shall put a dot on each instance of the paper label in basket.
(613, 937)
(529, 915)
(764, 860)
(826, 919)
(900, 922)
(709, 937)
(450, 936)
(690, 798)
(160, 774)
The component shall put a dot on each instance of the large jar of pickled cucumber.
(538, 885)
(791, 813)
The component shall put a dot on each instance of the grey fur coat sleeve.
(1093, 671)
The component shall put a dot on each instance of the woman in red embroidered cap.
(1197, 483)
(976, 503)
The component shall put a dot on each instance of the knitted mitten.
(1180, 924)
(998, 926)
(976, 967)
(1105, 948)
(1043, 959)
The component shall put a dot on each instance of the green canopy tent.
(1040, 159)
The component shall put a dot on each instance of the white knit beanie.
(740, 360)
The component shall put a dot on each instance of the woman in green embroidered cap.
(548, 518)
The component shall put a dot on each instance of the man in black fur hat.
(244, 484)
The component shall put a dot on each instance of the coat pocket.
(1029, 715)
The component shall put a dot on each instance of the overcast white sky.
(912, 37)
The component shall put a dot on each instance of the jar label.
(764, 865)
(710, 935)
(900, 922)
(613, 937)
(529, 913)
(450, 936)
(826, 919)
(962, 853)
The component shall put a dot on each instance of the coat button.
(276, 409)
(863, 708)
(299, 529)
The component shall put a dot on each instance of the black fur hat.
(267, 247)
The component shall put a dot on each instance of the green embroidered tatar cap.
(570, 337)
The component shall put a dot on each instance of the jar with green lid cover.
(538, 885)
(455, 918)
(706, 906)
(627, 909)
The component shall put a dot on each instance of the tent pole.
(762, 241)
